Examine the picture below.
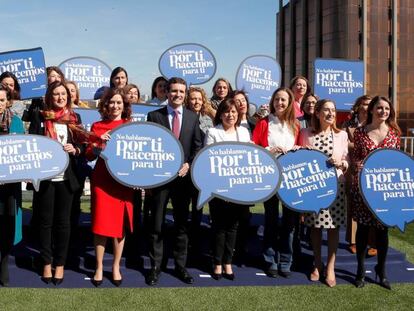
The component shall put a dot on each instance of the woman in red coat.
(111, 201)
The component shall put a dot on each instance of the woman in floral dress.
(380, 131)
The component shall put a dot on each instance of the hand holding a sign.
(69, 148)
(106, 136)
(339, 164)
(278, 150)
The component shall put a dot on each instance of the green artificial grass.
(342, 297)
(309, 297)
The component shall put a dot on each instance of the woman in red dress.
(380, 131)
(111, 202)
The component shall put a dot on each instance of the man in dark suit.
(185, 126)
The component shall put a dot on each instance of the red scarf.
(78, 133)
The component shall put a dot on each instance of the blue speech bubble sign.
(339, 80)
(89, 73)
(238, 172)
(30, 158)
(386, 182)
(143, 154)
(29, 68)
(259, 76)
(192, 62)
(309, 182)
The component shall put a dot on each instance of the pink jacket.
(340, 147)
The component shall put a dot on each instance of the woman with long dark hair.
(54, 198)
(221, 90)
(118, 78)
(359, 115)
(9, 80)
(307, 106)
(380, 131)
(10, 194)
(158, 92)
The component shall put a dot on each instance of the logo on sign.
(30, 157)
(309, 183)
(90, 74)
(259, 76)
(143, 154)
(192, 62)
(237, 172)
(387, 185)
(339, 80)
(29, 68)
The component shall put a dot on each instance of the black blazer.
(190, 134)
(252, 123)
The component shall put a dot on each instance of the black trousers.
(361, 239)
(54, 203)
(225, 218)
(178, 191)
(196, 217)
(7, 227)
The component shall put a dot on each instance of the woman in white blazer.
(225, 215)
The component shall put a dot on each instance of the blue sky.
(134, 34)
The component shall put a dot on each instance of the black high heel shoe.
(96, 283)
(383, 281)
(57, 281)
(216, 276)
(117, 283)
(46, 279)
(229, 276)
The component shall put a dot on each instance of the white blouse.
(280, 134)
(218, 134)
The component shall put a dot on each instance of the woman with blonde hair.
(278, 133)
(75, 95)
(197, 101)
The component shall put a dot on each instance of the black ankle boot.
(4, 271)
(383, 281)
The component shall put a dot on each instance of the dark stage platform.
(24, 264)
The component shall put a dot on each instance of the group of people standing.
(293, 119)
